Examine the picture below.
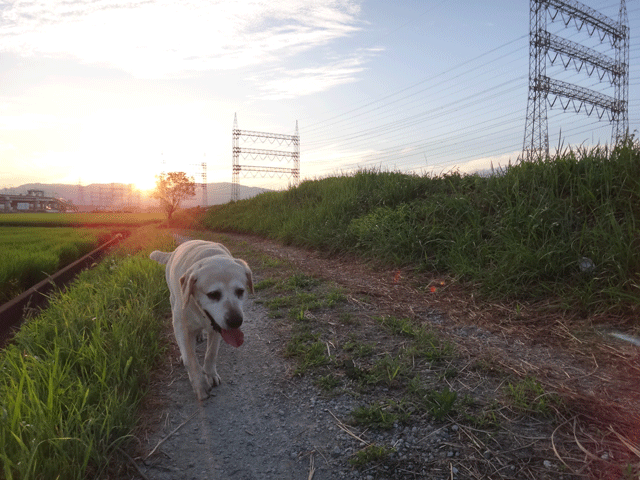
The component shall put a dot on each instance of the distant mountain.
(118, 195)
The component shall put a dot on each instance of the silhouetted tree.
(171, 189)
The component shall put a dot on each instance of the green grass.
(528, 395)
(74, 376)
(519, 234)
(308, 350)
(426, 344)
(371, 454)
(30, 254)
(382, 415)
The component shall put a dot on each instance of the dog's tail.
(160, 257)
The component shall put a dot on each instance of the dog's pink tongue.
(233, 337)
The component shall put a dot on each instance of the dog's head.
(219, 286)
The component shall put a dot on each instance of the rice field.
(110, 219)
(35, 245)
(29, 254)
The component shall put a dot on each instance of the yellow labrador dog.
(208, 288)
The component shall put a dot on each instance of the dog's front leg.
(200, 382)
(213, 343)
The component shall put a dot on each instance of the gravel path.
(258, 424)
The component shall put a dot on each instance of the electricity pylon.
(543, 91)
(262, 155)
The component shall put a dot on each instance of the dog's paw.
(202, 387)
(213, 378)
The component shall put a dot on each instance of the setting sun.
(144, 184)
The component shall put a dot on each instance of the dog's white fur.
(208, 288)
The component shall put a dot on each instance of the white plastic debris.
(627, 338)
(586, 265)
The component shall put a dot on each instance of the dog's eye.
(215, 295)
(239, 292)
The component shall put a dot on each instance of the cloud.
(282, 83)
(162, 38)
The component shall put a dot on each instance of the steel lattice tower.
(543, 91)
(292, 141)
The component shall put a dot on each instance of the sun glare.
(145, 183)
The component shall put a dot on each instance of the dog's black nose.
(233, 319)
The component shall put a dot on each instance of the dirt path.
(265, 423)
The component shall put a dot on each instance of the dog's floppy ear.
(247, 271)
(188, 284)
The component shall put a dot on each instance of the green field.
(30, 254)
(80, 219)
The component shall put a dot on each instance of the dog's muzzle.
(214, 324)
(233, 319)
(233, 336)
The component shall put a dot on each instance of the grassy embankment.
(70, 382)
(564, 229)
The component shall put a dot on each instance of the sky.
(118, 91)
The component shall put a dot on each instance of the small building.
(34, 201)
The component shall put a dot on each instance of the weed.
(307, 348)
(428, 346)
(440, 404)
(434, 403)
(357, 349)
(264, 284)
(484, 420)
(276, 305)
(398, 326)
(300, 281)
(388, 371)
(328, 383)
(529, 395)
(382, 415)
(370, 454)
(449, 373)
(335, 297)
(271, 262)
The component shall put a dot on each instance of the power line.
(414, 122)
(324, 123)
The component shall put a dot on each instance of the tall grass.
(73, 377)
(521, 232)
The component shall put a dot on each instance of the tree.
(171, 189)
